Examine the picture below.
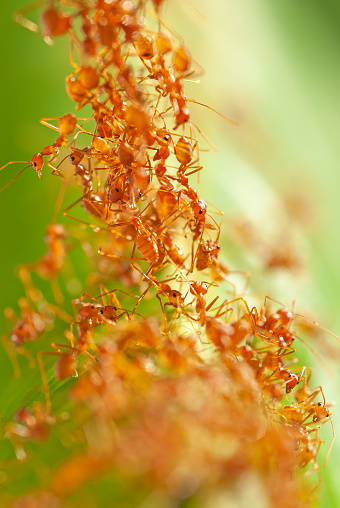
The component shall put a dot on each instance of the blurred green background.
(273, 66)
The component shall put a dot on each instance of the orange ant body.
(52, 262)
(33, 424)
(207, 252)
(54, 23)
(28, 328)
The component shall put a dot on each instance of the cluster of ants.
(148, 228)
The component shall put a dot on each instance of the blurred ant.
(32, 424)
(27, 328)
(51, 263)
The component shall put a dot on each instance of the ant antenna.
(16, 176)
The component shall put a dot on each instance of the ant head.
(37, 163)
(76, 157)
(175, 298)
(286, 316)
(163, 137)
(198, 287)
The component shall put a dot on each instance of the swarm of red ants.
(201, 402)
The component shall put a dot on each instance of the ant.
(31, 325)
(36, 163)
(32, 424)
(100, 313)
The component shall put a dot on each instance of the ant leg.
(212, 146)
(57, 346)
(164, 317)
(80, 220)
(57, 293)
(240, 298)
(28, 355)
(56, 172)
(59, 312)
(15, 177)
(232, 122)
(32, 293)
(230, 282)
(146, 274)
(175, 315)
(318, 325)
(273, 300)
(112, 294)
(117, 256)
(208, 307)
(198, 168)
(80, 300)
(70, 335)
(44, 122)
(225, 312)
(44, 376)
(181, 212)
(26, 23)
(103, 292)
(311, 397)
(58, 204)
(193, 258)
(332, 442)
(11, 352)
(139, 300)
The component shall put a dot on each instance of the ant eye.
(174, 295)
(101, 311)
(218, 246)
(34, 164)
(93, 307)
(200, 212)
(319, 403)
(117, 190)
(71, 159)
(115, 308)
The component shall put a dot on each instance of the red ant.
(36, 163)
(28, 328)
(101, 313)
(33, 424)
